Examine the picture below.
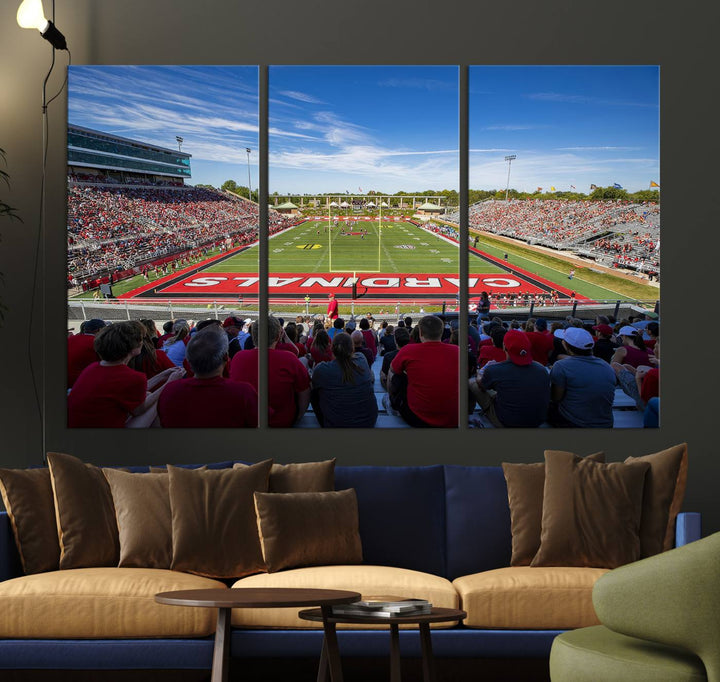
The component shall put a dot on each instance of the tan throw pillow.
(525, 484)
(662, 499)
(301, 477)
(142, 508)
(214, 532)
(308, 529)
(84, 512)
(591, 512)
(28, 498)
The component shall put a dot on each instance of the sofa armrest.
(671, 598)
(687, 528)
(10, 566)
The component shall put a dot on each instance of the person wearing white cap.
(633, 350)
(582, 386)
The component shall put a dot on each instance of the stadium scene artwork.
(149, 149)
(364, 239)
(365, 248)
(565, 204)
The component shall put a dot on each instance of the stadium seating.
(385, 420)
(113, 227)
(616, 234)
(625, 412)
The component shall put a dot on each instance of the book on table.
(383, 607)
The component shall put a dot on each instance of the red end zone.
(392, 284)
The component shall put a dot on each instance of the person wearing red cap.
(516, 392)
(332, 310)
(605, 346)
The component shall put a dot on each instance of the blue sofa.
(448, 521)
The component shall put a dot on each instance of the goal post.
(343, 256)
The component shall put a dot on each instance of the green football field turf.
(313, 247)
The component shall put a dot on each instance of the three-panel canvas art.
(364, 228)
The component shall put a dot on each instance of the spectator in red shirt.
(332, 310)
(369, 336)
(167, 333)
(81, 349)
(288, 379)
(150, 361)
(208, 400)
(110, 394)
(423, 378)
(321, 348)
(495, 352)
(541, 342)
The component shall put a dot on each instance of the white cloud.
(419, 84)
(532, 170)
(584, 99)
(300, 96)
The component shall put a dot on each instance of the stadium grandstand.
(130, 211)
(616, 234)
(632, 395)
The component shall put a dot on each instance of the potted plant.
(5, 211)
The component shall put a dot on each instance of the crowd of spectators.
(566, 373)
(521, 373)
(616, 233)
(120, 228)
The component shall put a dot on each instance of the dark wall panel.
(451, 32)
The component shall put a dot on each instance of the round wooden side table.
(260, 598)
(330, 647)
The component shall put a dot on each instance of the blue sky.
(567, 125)
(214, 108)
(382, 128)
(388, 128)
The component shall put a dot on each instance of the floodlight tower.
(179, 140)
(509, 159)
(248, 150)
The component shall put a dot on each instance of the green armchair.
(661, 622)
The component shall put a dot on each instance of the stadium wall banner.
(323, 284)
(367, 219)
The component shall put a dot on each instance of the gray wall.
(679, 37)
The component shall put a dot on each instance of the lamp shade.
(30, 14)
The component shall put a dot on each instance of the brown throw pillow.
(662, 499)
(525, 484)
(28, 498)
(214, 532)
(84, 511)
(591, 512)
(301, 477)
(142, 508)
(308, 529)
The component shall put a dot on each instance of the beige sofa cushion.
(522, 597)
(368, 580)
(101, 603)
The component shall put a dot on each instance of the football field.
(382, 261)
(360, 246)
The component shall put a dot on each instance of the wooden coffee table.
(259, 598)
(330, 650)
